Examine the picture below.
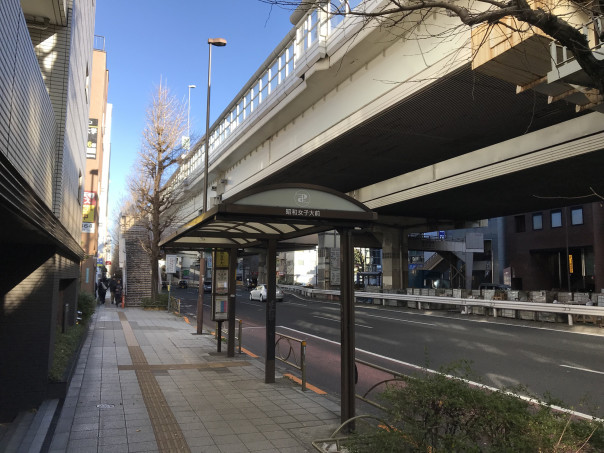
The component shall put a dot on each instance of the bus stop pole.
(347, 328)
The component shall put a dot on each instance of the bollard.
(570, 320)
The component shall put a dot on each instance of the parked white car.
(259, 293)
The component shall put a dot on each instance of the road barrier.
(593, 313)
(288, 352)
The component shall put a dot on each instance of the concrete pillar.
(391, 258)
(469, 269)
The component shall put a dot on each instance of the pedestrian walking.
(112, 285)
(102, 289)
(118, 291)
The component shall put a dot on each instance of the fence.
(289, 352)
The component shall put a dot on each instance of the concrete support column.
(391, 258)
(469, 269)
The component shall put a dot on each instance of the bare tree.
(153, 198)
(554, 18)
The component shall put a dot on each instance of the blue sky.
(151, 40)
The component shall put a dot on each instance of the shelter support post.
(271, 307)
(232, 299)
(347, 327)
(200, 293)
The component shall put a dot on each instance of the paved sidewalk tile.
(145, 383)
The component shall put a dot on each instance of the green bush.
(87, 305)
(66, 347)
(160, 302)
(436, 413)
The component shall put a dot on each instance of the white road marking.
(337, 320)
(582, 369)
(417, 367)
(401, 320)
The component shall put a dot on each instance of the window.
(520, 224)
(556, 219)
(576, 216)
(537, 221)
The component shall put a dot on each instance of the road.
(567, 364)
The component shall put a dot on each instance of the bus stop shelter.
(272, 218)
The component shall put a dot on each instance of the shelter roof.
(283, 212)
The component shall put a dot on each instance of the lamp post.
(220, 42)
(189, 119)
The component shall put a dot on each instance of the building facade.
(45, 65)
(94, 218)
(560, 249)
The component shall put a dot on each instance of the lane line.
(487, 387)
(337, 320)
(582, 369)
(401, 320)
(479, 321)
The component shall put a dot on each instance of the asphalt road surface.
(544, 358)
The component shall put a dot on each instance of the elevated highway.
(399, 120)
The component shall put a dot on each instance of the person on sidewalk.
(102, 289)
(112, 284)
(118, 292)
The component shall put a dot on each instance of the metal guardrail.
(239, 335)
(289, 352)
(423, 301)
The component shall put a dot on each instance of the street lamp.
(220, 42)
(189, 119)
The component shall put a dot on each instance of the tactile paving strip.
(168, 434)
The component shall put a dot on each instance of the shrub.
(160, 302)
(66, 348)
(87, 305)
(433, 412)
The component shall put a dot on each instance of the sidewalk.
(146, 383)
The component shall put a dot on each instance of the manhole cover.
(105, 406)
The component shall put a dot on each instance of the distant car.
(259, 293)
(207, 286)
(183, 284)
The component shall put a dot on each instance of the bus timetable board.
(220, 281)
